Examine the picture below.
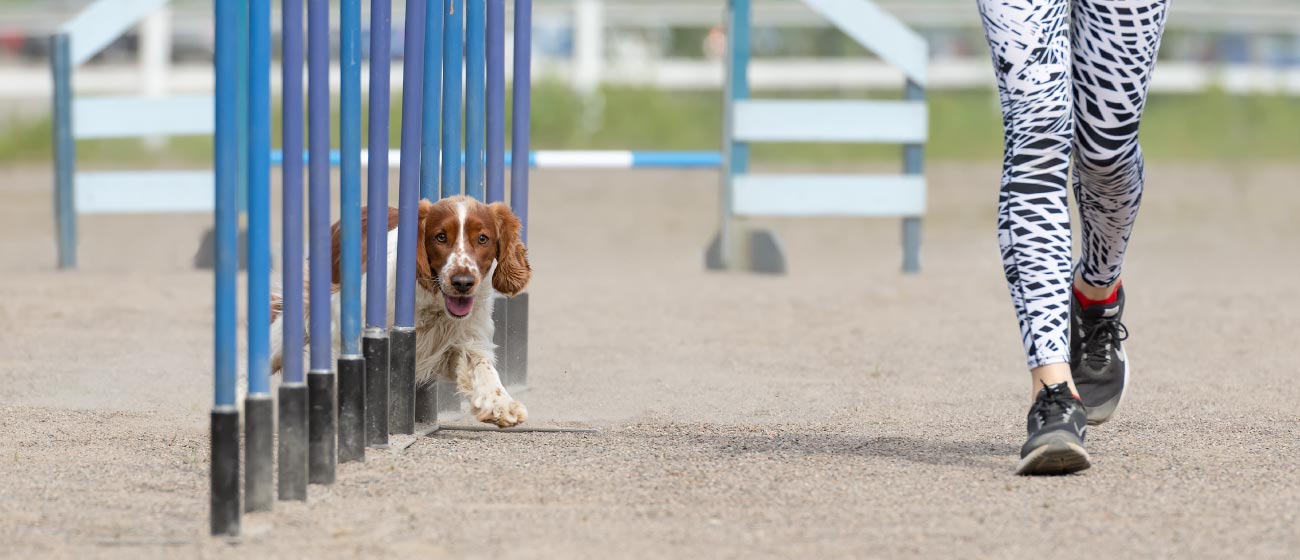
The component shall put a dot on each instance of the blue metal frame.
(913, 164)
(452, 49)
(65, 151)
(735, 155)
(747, 121)
(738, 161)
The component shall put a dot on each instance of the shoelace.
(1052, 403)
(1099, 336)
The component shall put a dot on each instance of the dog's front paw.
(498, 408)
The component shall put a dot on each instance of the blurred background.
(808, 415)
(646, 74)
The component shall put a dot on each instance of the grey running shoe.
(1097, 358)
(1057, 424)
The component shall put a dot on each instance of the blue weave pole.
(402, 336)
(516, 308)
(241, 100)
(351, 365)
(474, 45)
(374, 345)
(291, 179)
(259, 425)
(408, 196)
(292, 409)
(452, 50)
(318, 108)
(522, 109)
(322, 455)
(377, 189)
(259, 197)
(496, 100)
(350, 174)
(224, 429)
(431, 113)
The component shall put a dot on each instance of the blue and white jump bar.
(574, 159)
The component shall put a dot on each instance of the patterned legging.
(1072, 75)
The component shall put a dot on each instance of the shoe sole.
(1054, 458)
(1099, 414)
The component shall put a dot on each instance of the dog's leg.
(477, 378)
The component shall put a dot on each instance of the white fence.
(591, 42)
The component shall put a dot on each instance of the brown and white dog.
(468, 252)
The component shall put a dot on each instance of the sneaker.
(1057, 423)
(1097, 358)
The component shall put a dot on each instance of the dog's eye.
(441, 238)
(482, 239)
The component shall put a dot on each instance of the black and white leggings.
(1072, 75)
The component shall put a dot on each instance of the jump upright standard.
(323, 420)
(739, 245)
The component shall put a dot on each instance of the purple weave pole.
(496, 102)
(408, 194)
(522, 110)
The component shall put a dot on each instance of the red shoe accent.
(1085, 302)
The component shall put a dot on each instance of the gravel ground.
(843, 410)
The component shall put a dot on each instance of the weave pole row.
(327, 417)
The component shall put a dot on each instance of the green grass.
(965, 126)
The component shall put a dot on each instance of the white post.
(155, 58)
(588, 44)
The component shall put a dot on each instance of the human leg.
(1113, 49)
(1031, 55)
(1031, 52)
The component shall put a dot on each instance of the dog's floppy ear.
(423, 270)
(513, 271)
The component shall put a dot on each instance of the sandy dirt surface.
(843, 410)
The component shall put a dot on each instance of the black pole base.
(352, 409)
(322, 427)
(426, 403)
(401, 377)
(374, 346)
(293, 441)
(259, 450)
(225, 471)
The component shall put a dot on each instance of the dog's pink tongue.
(460, 306)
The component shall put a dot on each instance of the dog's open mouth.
(459, 306)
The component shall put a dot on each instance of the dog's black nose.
(463, 283)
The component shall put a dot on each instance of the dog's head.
(460, 238)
